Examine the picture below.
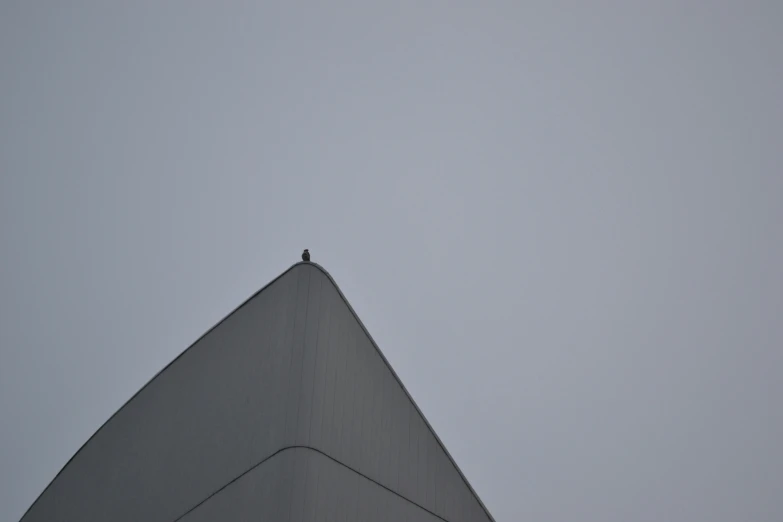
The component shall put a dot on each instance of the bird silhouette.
(306, 255)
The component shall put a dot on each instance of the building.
(285, 410)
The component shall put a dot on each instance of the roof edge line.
(319, 452)
(160, 372)
(404, 389)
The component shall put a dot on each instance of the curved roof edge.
(246, 301)
(404, 389)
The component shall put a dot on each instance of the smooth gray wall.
(291, 367)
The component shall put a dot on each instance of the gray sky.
(561, 223)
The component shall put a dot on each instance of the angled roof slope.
(286, 410)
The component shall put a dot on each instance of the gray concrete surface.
(286, 410)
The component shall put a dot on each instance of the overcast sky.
(561, 222)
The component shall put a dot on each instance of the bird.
(306, 255)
